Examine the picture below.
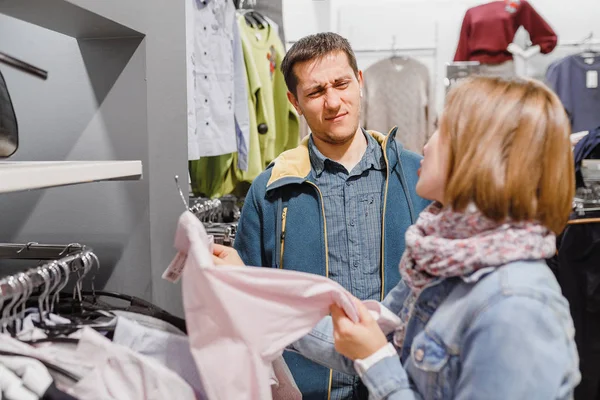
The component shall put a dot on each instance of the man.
(339, 204)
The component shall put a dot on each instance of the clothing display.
(219, 98)
(575, 81)
(272, 9)
(273, 126)
(98, 365)
(397, 92)
(585, 147)
(488, 29)
(171, 350)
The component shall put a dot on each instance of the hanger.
(588, 51)
(255, 19)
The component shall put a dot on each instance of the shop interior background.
(428, 30)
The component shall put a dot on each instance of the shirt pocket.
(432, 367)
(369, 212)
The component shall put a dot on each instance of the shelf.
(28, 175)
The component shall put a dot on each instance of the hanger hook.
(26, 247)
(185, 203)
(68, 247)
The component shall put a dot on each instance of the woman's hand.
(356, 340)
(224, 255)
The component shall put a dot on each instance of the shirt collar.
(373, 157)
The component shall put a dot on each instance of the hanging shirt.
(218, 80)
(169, 349)
(274, 123)
(575, 81)
(264, 52)
(397, 92)
(488, 29)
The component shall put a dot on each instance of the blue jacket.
(283, 226)
(501, 333)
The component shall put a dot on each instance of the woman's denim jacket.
(501, 333)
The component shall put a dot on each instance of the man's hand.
(356, 340)
(224, 255)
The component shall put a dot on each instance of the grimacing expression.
(328, 95)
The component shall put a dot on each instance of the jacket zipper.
(283, 220)
(385, 195)
(326, 266)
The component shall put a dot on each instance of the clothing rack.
(224, 209)
(17, 284)
(588, 40)
(36, 251)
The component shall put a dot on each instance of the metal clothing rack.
(588, 40)
(36, 251)
(16, 285)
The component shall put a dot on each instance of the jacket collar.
(372, 158)
(294, 167)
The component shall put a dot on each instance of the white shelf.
(28, 175)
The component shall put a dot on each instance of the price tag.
(591, 80)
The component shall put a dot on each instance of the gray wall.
(120, 98)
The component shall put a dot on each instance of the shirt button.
(352, 223)
(419, 355)
(205, 53)
(355, 264)
(205, 77)
(206, 122)
(348, 183)
(206, 100)
(204, 28)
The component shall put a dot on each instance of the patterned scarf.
(443, 244)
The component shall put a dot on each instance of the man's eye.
(343, 85)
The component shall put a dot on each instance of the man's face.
(328, 95)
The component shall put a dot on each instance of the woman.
(483, 316)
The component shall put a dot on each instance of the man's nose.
(332, 100)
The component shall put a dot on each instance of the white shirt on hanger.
(219, 82)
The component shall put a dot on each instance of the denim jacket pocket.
(431, 365)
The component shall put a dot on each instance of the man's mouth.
(337, 118)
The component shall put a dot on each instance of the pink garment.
(241, 318)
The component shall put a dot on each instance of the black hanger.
(250, 20)
(262, 21)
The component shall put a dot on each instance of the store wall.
(378, 24)
(121, 98)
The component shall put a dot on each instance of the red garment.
(488, 29)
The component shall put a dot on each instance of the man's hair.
(314, 47)
(510, 152)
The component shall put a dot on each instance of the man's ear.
(294, 102)
(359, 76)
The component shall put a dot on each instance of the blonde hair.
(510, 152)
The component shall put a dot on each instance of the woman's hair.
(510, 152)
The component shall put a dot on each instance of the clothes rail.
(37, 251)
(34, 278)
(595, 42)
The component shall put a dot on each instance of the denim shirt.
(501, 333)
